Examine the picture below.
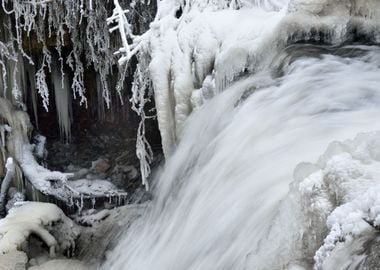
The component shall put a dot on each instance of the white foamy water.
(222, 202)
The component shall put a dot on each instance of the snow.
(36, 218)
(61, 265)
(94, 187)
(39, 176)
(13, 260)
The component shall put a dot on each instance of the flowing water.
(218, 196)
(222, 200)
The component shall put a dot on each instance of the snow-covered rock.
(44, 220)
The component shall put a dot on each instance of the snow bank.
(44, 220)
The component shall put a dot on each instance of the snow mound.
(44, 220)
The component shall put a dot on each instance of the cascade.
(268, 118)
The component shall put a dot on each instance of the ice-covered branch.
(41, 84)
(42, 2)
(128, 49)
(141, 94)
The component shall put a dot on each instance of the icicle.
(100, 103)
(31, 73)
(93, 202)
(62, 101)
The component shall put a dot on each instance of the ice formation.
(350, 178)
(193, 41)
(62, 101)
(47, 221)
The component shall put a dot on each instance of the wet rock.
(101, 166)
(104, 234)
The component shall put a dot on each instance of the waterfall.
(259, 138)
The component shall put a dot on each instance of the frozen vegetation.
(268, 113)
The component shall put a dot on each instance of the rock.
(44, 220)
(123, 176)
(13, 260)
(101, 166)
(94, 242)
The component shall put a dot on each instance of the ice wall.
(223, 40)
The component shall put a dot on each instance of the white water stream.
(221, 198)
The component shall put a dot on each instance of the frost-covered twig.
(41, 84)
(125, 30)
(141, 94)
